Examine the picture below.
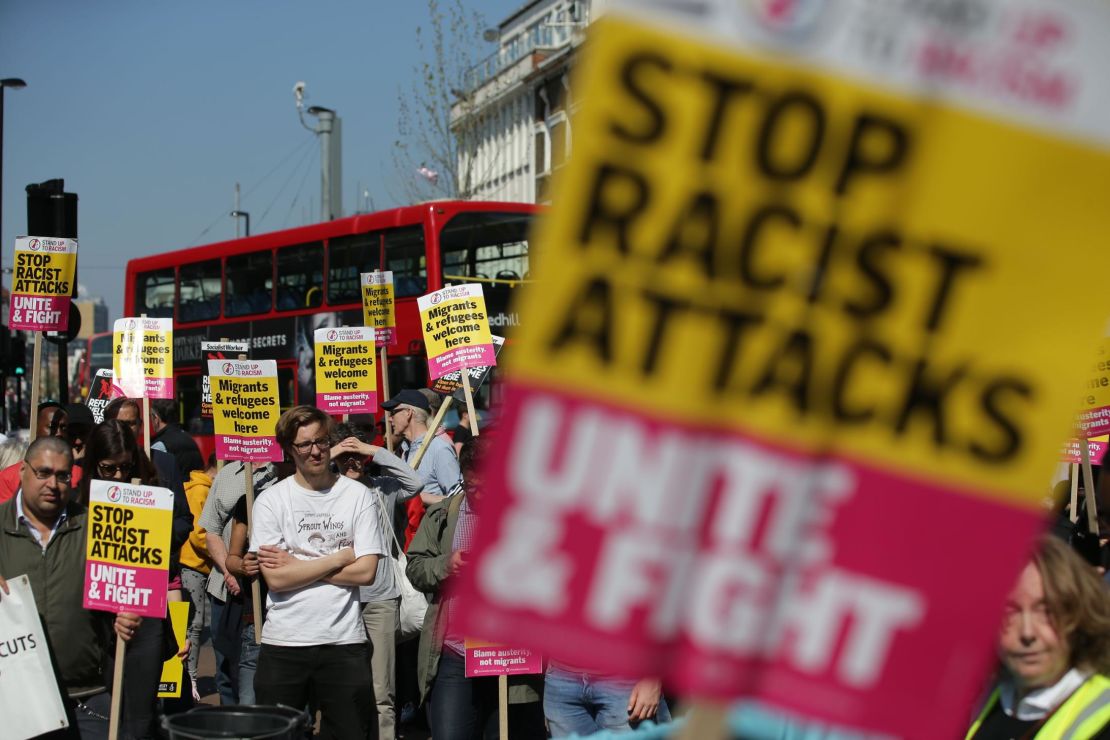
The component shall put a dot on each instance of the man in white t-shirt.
(317, 538)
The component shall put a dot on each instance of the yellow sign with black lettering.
(822, 244)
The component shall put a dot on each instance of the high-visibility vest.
(1080, 717)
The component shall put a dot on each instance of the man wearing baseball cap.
(439, 468)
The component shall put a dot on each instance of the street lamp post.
(15, 83)
(245, 216)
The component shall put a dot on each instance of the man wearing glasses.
(439, 469)
(318, 540)
(42, 535)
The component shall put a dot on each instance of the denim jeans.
(225, 646)
(583, 704)
(461, 708)
(248, 664)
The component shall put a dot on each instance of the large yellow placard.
(822, 244)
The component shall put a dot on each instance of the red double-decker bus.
(273, 290)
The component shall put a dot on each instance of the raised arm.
(398, 474)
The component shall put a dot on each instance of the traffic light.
(17, 358)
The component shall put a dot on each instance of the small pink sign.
(39, 313)
(1095, 422)
(459, 359)
(385, 336)
(347, 403)
(1072, 452)
(248, 449)
(488, 659)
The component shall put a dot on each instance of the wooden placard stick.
(503, 704)
(1089, 488)
(146, 424)
(117, 690)
(256, 589)
(386, 396)
(431, 433)
(145, 420)
(224, 340)
(117, 673)
(470, 402)
(1073, 511)
(35, 394)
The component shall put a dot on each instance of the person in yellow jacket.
(196, 564)
(1054, 648)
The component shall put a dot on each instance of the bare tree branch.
(449, 46)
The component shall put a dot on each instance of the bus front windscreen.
(490, 248)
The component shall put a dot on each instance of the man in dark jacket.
(169, 437)
(42, 536)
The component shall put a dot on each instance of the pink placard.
(159, 387)
(385, 336)
(39, 313)
(1095, 422)
(358, 402)
(1072, 452)
(459, 359)
(487, 659)
(735, 567)
(248, 449)
(123, 588)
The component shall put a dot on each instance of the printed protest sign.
(216, 351)
(379, 307)
(142, 357)
(456, 329)
(101, 392)
(245, 409)
(452, 381)
(490, 659)
(42, 284)
(30, 700)
(128, 548)
(1094, 419)
(785, 294)
(169, 684)
(1073, 453)
(346, 377)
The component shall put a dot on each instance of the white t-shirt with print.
(310, 524)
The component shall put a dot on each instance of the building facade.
(513, 119)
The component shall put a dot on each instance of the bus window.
(249, 284)
(300, 276)
(154, 293)
(404, 255)
(285, 389)
(199, 291)
(485, 245)
(348, 258)
(187, 388)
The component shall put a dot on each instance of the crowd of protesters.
(319, 545)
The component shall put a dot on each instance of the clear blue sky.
(152, 111)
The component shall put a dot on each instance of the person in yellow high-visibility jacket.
(1054, 648)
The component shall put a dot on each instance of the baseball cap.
(409, 397)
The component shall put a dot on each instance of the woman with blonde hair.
(1054, 649)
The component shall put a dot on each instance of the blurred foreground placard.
(814, 305)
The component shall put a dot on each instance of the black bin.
(239, 722)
